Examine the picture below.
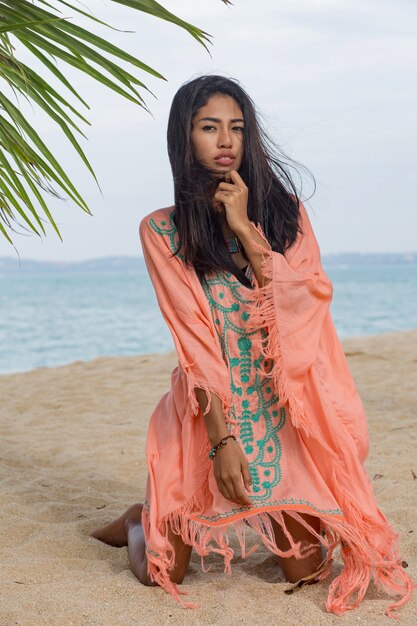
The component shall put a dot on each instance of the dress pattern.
(261, 426)
(305, 449)
(255, 406)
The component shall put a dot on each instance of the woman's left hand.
(234, 197)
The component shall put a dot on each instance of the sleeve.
(302, 342)
(187, 315)
(292, 306)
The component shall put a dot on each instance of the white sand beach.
(73, 458)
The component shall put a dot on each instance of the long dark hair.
(273, 199)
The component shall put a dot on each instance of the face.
(217, 134)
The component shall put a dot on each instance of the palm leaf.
(28, 169)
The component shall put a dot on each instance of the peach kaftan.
(273, 357)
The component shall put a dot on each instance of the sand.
(72, 459)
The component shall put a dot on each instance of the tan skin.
(218, 129)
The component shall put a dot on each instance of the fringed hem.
(346, 591)
(192, 383)
(369, 544)
(372, 543)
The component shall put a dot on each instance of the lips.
(225, 158)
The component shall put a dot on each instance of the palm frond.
(28, 169)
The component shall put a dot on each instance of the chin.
(223, 171)
(215, 172)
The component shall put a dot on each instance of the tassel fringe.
(193, 403)
(369, 546)
(346, 591)
(372, 543)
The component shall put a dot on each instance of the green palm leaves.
(28, 169)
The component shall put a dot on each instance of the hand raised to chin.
(233, 196)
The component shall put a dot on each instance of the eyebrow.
(218, 120)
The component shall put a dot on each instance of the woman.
(263, 426)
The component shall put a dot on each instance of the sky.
(334, 81)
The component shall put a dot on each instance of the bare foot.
(115, 533)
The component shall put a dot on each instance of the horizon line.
(131, 257)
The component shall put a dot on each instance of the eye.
(208, 127)
(238, 129)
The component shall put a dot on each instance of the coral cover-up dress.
(273, 357)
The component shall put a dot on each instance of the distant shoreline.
(11, 265)
(59, 313)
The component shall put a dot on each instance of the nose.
(225, 138)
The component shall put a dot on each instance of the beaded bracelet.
(217, 447)
(234, 245)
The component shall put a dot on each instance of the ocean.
(53, 314)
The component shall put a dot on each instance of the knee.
(292, 577)
(177, 577)
(146, 580)
(148, 583)
(144, 577)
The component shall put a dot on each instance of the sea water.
(57, 317)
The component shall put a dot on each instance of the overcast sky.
(334, 79)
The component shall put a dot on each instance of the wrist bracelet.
(217, 447)
(234, 245)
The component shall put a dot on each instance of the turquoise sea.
(53, 314)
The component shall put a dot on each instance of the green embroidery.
(152, 553)
(264, 454)
(170, 232)
(280, 503)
